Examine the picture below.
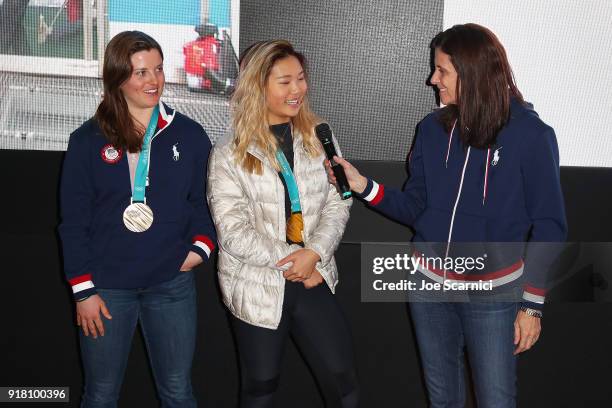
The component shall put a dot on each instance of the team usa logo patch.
(110, 154)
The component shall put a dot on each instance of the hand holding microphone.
(324, 135)
(356, 181)
(337, 168)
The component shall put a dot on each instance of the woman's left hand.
(526, 331)
(315, 280)
(304, 261)
(191, 261)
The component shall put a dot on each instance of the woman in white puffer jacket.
(279, 222)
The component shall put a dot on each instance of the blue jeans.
(167, 315)
(486, 331)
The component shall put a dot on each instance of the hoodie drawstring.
(486, 177)
(450, 140)
(484, 189)
(450, 231)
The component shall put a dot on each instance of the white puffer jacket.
(249, 213)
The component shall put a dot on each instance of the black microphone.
(324, 134)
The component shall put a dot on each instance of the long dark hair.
(485, 83)
(112, 114)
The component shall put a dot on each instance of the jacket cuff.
(82, 287)
(533, 297)
(326, 276)
(314, 247)
(373, 192)
(203, 246)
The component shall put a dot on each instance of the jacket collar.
(166, 116)
(259, 154)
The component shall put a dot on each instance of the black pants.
(316, 324)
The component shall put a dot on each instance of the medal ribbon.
(294, 195)
(142, 169)
(295, 224)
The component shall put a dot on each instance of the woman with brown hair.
(279, 224)
(484, 176)
(134, 224)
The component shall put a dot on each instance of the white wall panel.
(561, 53)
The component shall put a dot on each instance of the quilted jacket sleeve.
(335, 214)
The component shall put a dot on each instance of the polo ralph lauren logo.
(495, 157)
(176, 155)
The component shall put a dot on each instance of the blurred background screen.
(369, 64)
(51, 54)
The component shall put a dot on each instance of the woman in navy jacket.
(134, 224)
(484, 170)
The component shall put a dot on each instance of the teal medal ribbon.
(138, 216)
(142, 169)
(294, 195)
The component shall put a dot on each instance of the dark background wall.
(369, 63)
(569, 367)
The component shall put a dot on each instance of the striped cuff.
(373, 192)
(533, 297)
(82, 287)
(203, 246)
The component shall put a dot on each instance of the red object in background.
(210, 63)
(201, 55)
(74, 8)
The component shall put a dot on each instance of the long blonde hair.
(250, 119)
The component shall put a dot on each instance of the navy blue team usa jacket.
(510, 192)
(99, 251)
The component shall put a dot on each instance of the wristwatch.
(532, 312)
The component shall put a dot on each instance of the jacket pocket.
(229, 270)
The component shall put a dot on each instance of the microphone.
(324, 135)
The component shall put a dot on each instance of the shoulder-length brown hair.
(485, 83)
(112, 114)
(250, 119)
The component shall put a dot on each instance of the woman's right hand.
(356, 181)
(88, 315)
